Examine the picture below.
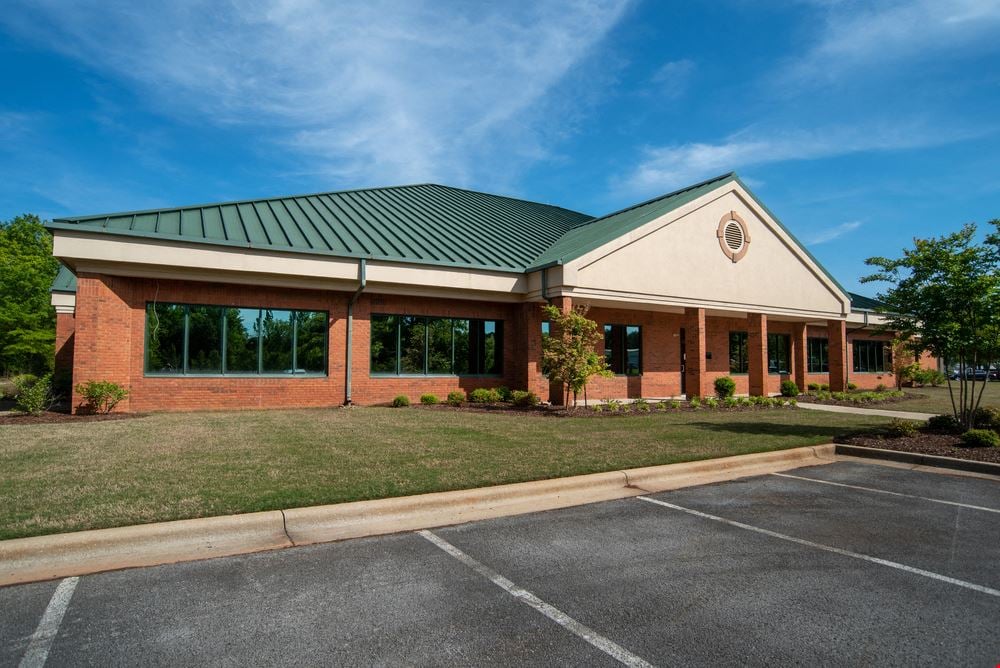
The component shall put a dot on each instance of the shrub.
(944, 424)
(523, 398)
(661, 405)
(429, 399)
(789, 388)
(675, 404)
(824, 387)
(981, 438)
(101, 396)
(881, 387)
(401, 401)
(597, 408)
(812, 387)
(484, 395)
(456, 398)
(901, 428)
(33, 395)
(730, 402)
(852, 386)
(695, 402)
(613, 405)
(641, 405)
(987, 417)
(711, 402)
(725, 387)
(504, 393)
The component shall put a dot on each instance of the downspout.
(363, 282)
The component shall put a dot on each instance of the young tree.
(27, 322)
(569, 354)
(945, 299)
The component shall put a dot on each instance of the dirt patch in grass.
(59, 417)
(941, 445)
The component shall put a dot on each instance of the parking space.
(848, 562)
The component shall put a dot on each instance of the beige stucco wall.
(677, 259)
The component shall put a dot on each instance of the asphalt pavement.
(846, 563)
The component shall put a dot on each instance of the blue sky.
(860, 124)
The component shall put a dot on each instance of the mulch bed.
(809, 399)
(941, 445)
(49, 417)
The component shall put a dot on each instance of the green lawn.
(67, 477)
(936, 399)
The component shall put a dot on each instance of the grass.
(936, 399)
(72, 476)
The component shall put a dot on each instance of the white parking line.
(41, 641)
(609, 647)
(828, 548)
(883, 491)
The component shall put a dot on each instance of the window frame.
(225, 373)
(623, 342)
(884, 359)
(823, 354)
(736, 335)
(787, 339)
(498, 335)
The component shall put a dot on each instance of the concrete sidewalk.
(903, 415)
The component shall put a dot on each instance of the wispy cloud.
(383, 91)
(884, 33)
(831, 233)
(667, 167)
(672, 79)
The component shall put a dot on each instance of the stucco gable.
(677, 259)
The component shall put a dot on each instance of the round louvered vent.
(734, 238)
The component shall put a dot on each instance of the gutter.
(362, 284)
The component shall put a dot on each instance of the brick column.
(757, 353)
(528, 350)
(102, 347)
(800, 354)
(695, 365)
(837, 354)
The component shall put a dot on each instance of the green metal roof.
(427, 223)
(862, 303)
(65, 280)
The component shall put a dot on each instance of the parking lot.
(848, 563)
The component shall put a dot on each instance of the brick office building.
(359, 296)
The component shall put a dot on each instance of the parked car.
(979, 373)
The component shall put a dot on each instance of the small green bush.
(695, 402)
(711, 402)
(675, 404)
(33, 395)
(640, 405)
(523, 398)
(987, 417)
(613, 405)
(730, 402)
(483, 395)
(456, 398)
(825, 387)
(812, 387)
(401, 401)
(944, 424)
(725, 387)
(881, 387)
(901, 428)
(101, 396)
(505, 393)
(981, 438)
(429, 399)
(852, 386)
(789, 388)
(597, 408)
(661, 405)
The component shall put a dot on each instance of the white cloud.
(831, 233)
(882, 34)
(383, 91)
(664, 168)
(672, 79)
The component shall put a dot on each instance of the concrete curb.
(61, 555)
(919, 459)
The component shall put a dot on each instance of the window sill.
(235, 375)
(434, 375)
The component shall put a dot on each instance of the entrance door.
(683, 364)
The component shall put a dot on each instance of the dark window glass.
(491, 355)
(461, 329)
(310, 341)
(412, 343)
(242, 334)
(623, 349)
(738, 362)
(872, 357)
(383, 345)
(818, 352)
(205, 339)
(778, 357)
(439, 345)
(276, 341)
(165, 338)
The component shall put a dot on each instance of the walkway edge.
(919, 459)
(80, 553)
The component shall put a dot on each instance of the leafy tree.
(945, 299)
(568, 352)
(27, 321)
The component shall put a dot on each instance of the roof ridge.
(252, 200)
(510, 197)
